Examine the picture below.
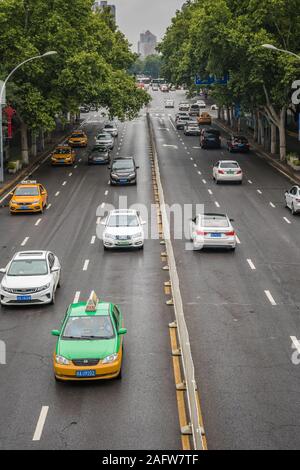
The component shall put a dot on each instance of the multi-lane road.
(242, 308)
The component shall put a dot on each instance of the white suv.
(123, 229)
(31, 277)
(292, 199)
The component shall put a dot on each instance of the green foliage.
(150, 66)
(93, 56)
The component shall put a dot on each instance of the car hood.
(25, 198)
(24, 282)
(123, 230)
(123, 172)
(86, 349)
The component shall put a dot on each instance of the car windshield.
(98, 150)
(123, 220)
(184, 118)
(62, 151)
(123, 165)
(213, 221)
(27, 191)
(104, 136)
(89, 327)
(28, 267)
(229, 165)
(77, 136)
(109, 126)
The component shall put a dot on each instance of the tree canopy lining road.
(226, 36)
(93, 56)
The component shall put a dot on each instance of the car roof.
(213, 215)
(79, 131)
(123, 158)
(28, 183)
(79, 309)
(228, 161)
(21, 255)
(123, 211)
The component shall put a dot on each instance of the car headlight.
(62, 360)
(132, 175)
(109, 235)
(34, 202)
(7, 289)
(138, 235)
(110, 358)
(114, 175)
(46, 286)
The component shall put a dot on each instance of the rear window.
(241, 140)
(194, 106)
(229, 165)
(213, 221)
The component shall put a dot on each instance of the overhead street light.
(46, 54)
(274, 48)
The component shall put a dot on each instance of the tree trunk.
(219, 113)
(228, 116)
(255, 132)
(24, 143)
(222, 113)
(282, 135)
(273, 138)
(42, 137)
(33, 144)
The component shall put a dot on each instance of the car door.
(53, 264)
(215, 169)
(290, 196)
(43, 194)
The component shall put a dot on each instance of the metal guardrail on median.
(183, 334)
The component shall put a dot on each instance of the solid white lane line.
(259, 191)
(40, 424)
(24, 241)
(272, 205)
(251, 264)
(217, 204)
(86, 265)
(204, 181)
(48, 206)
(106, 193)
(210, 191)
(238, 240)
(77, 297)
(93, 240)
(287, 220)
(270, 297)
(57, 194)
(37, 222)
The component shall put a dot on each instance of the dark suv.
(238, 143)
(210, 138)
(123, 171)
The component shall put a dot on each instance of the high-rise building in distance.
(101, 4)
(147, 44)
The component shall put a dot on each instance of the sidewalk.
(11, 179)
(271, 159)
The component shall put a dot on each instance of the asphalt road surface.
(242, 308)
(138, 412)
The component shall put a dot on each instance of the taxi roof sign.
(28, 182)
(92, 303)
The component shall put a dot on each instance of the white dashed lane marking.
(287, 220)
(251, 264)
(40, 424)
(77, 297)
(86, 265)
(24, 241)
(270, 297)
(38, 222)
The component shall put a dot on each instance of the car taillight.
(221, 172)
(239, 172)
(200, 232)
(230, 234)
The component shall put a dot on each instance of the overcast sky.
(136, 16)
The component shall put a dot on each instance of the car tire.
(57, 379)
(217, 181)
(232, 248)
(119, 376)
(293, 210)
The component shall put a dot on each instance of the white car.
(214, 107)
(169, 104)
(292, 199)
(227, 170)
(212, 230)
(31, 277)
(201, 104)
(105, 139)
(123, 229)
(111, 128)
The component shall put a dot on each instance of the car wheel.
(293, 210)
(241, 182)
(232, 248)
(217, 181)
(57, 379)
(119, 376)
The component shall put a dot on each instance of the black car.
(238, 143)
(123, 171)
(99, 155)
(210, 138)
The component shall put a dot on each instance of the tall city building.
(147, 44)
(101, 4)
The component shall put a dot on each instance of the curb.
(260, 153)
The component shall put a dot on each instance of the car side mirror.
(55, 333)
(109, 168)
(231, 220)
(122, 331)
(55, 269)
(137, 167)
(143, 222)
(3, 270)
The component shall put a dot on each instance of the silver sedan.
(227, 170)
(213, 231)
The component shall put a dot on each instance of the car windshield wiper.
(94, 337)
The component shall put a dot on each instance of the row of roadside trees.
(225, 36)
(90, 67)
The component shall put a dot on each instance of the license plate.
(123, 181)
(124, 243)
(230, 172)
(23, 297)
(216, 235)
(24, 208)
(86, 373)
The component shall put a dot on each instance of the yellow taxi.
(204, 118)
(29, 196)
(78, 139)
(63, 155)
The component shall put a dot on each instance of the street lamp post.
(273, 48)
(1, 97)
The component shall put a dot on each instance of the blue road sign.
(211, 80)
